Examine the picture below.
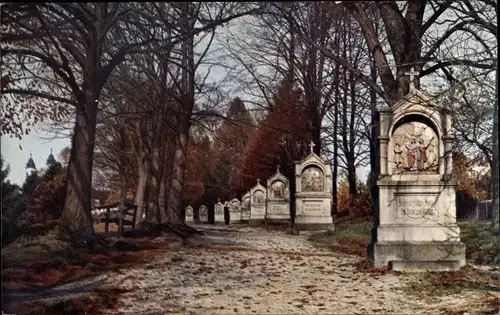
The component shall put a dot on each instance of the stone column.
(384, 123)
(448, 157)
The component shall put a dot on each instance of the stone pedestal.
(203, 214)
(313, 196)
(219, 213)
(257, 204)
(234, 211)
(278, 200)
(415, 224)
(245, 208)
(189, 214)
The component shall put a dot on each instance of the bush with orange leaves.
(274, 141)
(362, 204)
(46, 205)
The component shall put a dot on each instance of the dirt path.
(241, 270)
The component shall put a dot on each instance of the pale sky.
(39, 146)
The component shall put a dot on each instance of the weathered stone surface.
(234, 211)
(219, 213)
(245, 208)
(278, 199)
(313, 195)
(257, 204)
(416, 211)
(203, 214)
(189, 214)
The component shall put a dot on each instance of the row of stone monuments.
(414, 219)
(313, 197)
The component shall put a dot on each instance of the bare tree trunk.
(123, 197)
(335, 150)
(156, 180)
(151, 199)
(174, 211)
(495, 207)
(140, 191)
(351, 178)
(76, 220)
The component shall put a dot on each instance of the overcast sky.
(17, 152)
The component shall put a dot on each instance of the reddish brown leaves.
(279, 139)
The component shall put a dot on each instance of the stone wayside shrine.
(245, 208)
(257, 204)
(203, 214)
(278, 199)
(234, 211)
(313, 195)
(189, 214)
(414, 222)
(219, 213)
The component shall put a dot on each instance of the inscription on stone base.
(415, 206)
(278, 209)
(313, 206)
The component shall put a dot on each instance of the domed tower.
(30, 166)
(51, 160)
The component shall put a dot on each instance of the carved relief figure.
(203, 210)
(312, 179)
(258, 197)
(235, 206)
(431, 155)
(189, 211)
(398, 158)
(278, 189)
(246, 203)
(415, 140)
(219, 209)
(413, 154)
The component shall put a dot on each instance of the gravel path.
(242, 270)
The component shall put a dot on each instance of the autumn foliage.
(46, 206)
(275, 141)
(362, 204)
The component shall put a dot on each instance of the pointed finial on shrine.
(278, 169)
(312, 145)
(258, 181)
(218, 200)
(412, 75)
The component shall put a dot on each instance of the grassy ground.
(36, 264)
(353, 236)
(350, 237)
(482, 247)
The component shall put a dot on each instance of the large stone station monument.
(313, 195)
(257, 204)
(234, 211)
(278, 199)
(203, 214)
(414, 221)
(245, 208)
(219, 213)
(189, 214)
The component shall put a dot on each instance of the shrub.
(46, 205)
